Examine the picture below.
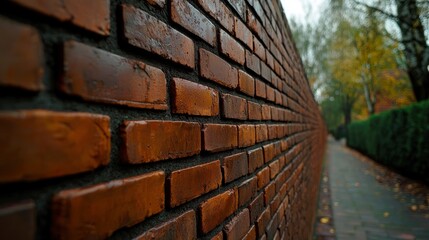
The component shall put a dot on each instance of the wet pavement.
(365, 208)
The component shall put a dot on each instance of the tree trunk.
(416, 48)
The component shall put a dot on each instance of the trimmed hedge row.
(398, 138)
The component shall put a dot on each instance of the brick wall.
(171, 119)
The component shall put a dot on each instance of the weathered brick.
(263, 221)
(260, 89)
(219, 137)
(246, 135)
(265, 73)
(256, 159)
(247, 190)
(189, 183)
(81, 213)
(275, 203)
(162, 140)
(234, 107)
(239, 6)
(274, 169)
(88, 73)
(251, 234)
(263, 177)
(270, 59)
(259, 49)
(255, 110)
(158, 3)
(261, 133)
(253, 63)
(231, 48)
(39, 144)
(256, 207)
(238, 226)
(218, 70)
(234, 166)
(246, 83)
(158, 37)
(193, 98)
(182, 227)
(243, 33)
(220, 12)
(271, 227)
(91, 15)
(266, 112)
(216, 209)
(183, 13)
(18, 221)
(21, 59)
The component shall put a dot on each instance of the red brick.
(263, 177)
(231, 48)
(272, 132)
(246, 83)
(217, 70)
(81, 213)
(158, 37)
(246, 135)
(266, 112)
(263, 221)
(193, 98)
(18, 221)
(269, 193)
(255, 111)
(234, 166)
(271, 228)
(279, 99)
(275, 203)
(274, 169)
(260, 89)
(234, 107)
(88, 73)
(183, 13)
(21, 59)
(259, 49)
(238, 226)
(251, 234)
(270, 94)
(162, 140)
(269, 152)
(216, 209)
(261, 133)
(39, 144)
(91, 15)
(247, 190)
(256, 159)
(256, 207)
(243, 33)
(189, 183)
(220, 12)
(219, 137)
(158, 3)
(182, 227)
(218, 236)
(253, 63)
(274, 113)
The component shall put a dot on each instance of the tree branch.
(376, 9)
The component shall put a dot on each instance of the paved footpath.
(365, 209)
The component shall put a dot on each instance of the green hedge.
(398, 138)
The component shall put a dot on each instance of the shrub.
(398, 138)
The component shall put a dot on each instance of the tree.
(408, 19)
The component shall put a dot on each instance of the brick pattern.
(189, 120)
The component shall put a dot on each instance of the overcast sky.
(297, 9)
